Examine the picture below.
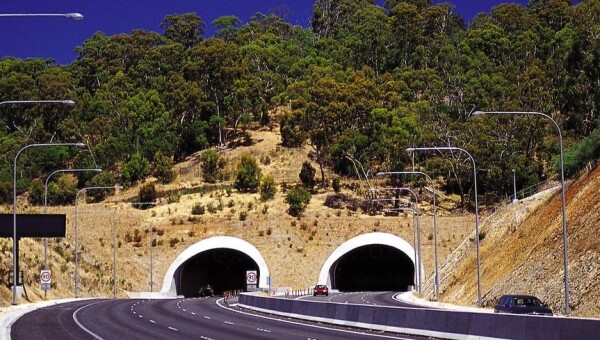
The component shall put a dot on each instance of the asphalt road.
(362, 298)
(168, 319)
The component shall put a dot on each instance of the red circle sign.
(45, 276)
(251, 277)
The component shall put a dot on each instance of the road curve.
(168, 319)
(363, 298)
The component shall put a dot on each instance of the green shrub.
(198, 209)
(163, 168)
(298, 199)
(268, 188)
(211, 164)
(307, 175)
(147, 193)
(337, 186)
(248, 174)
(135, 169)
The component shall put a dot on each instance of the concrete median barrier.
(448, 324)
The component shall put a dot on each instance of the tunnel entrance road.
(224, 269)
(373, 268)
(221, 261)
(371, 262)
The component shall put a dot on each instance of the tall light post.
(514, 200)
(415, 218)
(23, 102)
(74, 16)
(435, 252)
(563, 199)
(417, 236)
(76, 274)
(114, 249)
(454, 148)
(15, 237)
(46, 208)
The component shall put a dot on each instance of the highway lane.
(362, 298)
(168, 319)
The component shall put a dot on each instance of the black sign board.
(34, 225)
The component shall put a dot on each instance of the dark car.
(521, 304)
(206, 290)
(320, 290)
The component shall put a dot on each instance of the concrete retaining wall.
(430, 322)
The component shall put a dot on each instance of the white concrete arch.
(364, 240)
(227, 242)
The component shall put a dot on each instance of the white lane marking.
(207, 317)
(263, 330)
(140, 316)
(152, 321)
(173, 328)
(307, 325)
(206, 338)
(229, 322)
(193, 313)
(183, 310)
(96, 336)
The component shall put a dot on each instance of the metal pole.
(563, 198)
(453, 148)
(417, 233)
(114, 247)
(76, 272)
(114, 253)
(151, 267)
(514, 186)
(74, 16)
(15, 237)
(435, 250)
(46, 210)
(417, 255)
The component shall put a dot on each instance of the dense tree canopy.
(362, 84)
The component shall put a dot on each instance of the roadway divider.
(428, 322)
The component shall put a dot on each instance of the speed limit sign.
(45, 279)
(251, 277)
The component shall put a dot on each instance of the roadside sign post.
(251, 280)
(46, 279)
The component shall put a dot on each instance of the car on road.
(320, 290)
(522, 304)
(206, 290)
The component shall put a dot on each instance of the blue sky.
(56, 38)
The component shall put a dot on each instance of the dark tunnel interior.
(222, 268)
(373, 267)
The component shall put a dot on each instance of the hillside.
(298, 245)
(527, 256)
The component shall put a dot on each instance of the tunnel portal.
(373, 267)
(223, 268)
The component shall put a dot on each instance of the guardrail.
(429, 322)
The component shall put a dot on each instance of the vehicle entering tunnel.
(223, 268)
(373, 267)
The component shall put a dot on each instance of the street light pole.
(417, 229)
(514, 200)
(454, 148)
(417, 237)
(74, 16)
(563, 198)
(15, 236)
(46, 209)
(22, 102)
(435, 251)
(76, 274)
(114, 249)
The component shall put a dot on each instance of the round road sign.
(45, 276)
(251, 277)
